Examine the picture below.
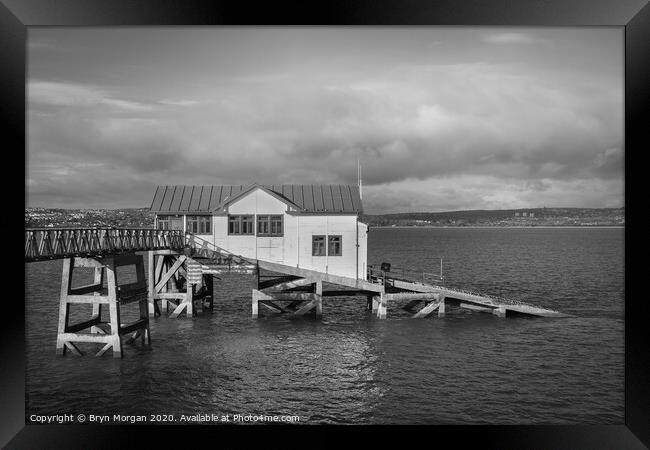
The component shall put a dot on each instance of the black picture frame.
(634, 15)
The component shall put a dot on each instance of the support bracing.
(115, 296)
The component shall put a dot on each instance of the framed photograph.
(370, 215)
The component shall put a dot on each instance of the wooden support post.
(441, 308)
(64, 306)
(255, 297)
(369, 302)
(114, 310)
(97, 307)
(500, 311)
(189, 299)
(375, 304)
(382, 310)
(151, 283)
(318, 290)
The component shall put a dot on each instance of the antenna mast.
(359, 182)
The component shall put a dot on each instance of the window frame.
(266, 221)
(323, 238)
(329, 243)
(240, 219)
(200, 220)
(163, 220)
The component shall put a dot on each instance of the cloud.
(432, 134)
(70, 94)
(180, 102)
(512, 38)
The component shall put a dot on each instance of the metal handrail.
(191, 237)
(64, 242)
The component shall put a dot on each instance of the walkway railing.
(54, 243)
(435, 281)
(400, 273)
(206, 249)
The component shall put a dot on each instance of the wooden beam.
(328, 278)
(305, 308)
(431, 307)
(170, 296)
(179, 309)
(138, 324)
(73, 348)
(165, 278)
(85, 289)
(104, 349)
(86, 337)
(291, 296)
(346, 293)
(276, 281)
(286, 285)
(88, 299)
(82, 325)
(476, 307)
(273, 306)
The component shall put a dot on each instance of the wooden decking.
(414, 291)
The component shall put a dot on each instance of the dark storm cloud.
(440, 118)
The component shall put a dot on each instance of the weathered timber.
(428, 309)
(113, 296)
(320, 276)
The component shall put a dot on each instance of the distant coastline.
(498, 226)
(508, 218)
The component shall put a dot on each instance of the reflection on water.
(350, 367)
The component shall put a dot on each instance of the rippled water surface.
(349, 366)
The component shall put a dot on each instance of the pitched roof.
(311, 198)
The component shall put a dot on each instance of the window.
(269, 226)
(163, 222)
(199, 224)
(240, 225)
(318, 245)
(334, 245)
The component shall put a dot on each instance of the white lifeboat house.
(315, 227)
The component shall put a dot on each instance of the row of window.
(237, 225)
(266, 225)
(244, 225)
(334, 245)
(195, 224)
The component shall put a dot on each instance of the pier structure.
(181, 267)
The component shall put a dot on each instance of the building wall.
(295, 247)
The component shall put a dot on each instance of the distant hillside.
(142, 217)
(504, 217)
(51, 217)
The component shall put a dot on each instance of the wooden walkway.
(436, 296)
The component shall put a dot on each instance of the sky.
(441, 118)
